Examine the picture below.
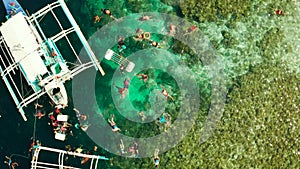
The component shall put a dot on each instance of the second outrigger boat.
(26, 49)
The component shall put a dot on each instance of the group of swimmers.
(59, 126)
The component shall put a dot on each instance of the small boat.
(37, 57)
(12, 7)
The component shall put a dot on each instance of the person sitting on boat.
(122, 148)
(97, 19)
(156, 159)
(10, 163)
(142, 76)
(113, 124)
(166, 94)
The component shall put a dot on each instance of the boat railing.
(43, 11)
(62, 34)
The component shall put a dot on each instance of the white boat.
(37, 58)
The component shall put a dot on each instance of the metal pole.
(12, 93)
(81, 37)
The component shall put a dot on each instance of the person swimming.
(113, 125)
(190, 29)
(10, 163)
(122, 148)
(97, 19)
(126, 83)
(166, 94)
(144, 18)
(156, 159)
(142, 76)
(106, 12)
(153, 43)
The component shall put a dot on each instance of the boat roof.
(23, 46)
(13, 5)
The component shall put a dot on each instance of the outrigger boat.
(26, 49)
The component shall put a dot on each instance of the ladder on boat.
(120, 60)
(35, 163)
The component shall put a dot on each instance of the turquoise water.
(239, 44)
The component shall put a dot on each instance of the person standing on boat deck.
(156, 159)
(113, 124)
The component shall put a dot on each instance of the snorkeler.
(39, 114)
(156, 158)
(190, 29)
(153, 43)
(142, 115)
(121, 44)
(113, 124)
(122, 148)
(142, 76)
(279, 12)
(108, 12)
(97, 19)
(144, 18)
(172, 29)
(121, 91)
(9, 162)
(165, 93)
(126, 83)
